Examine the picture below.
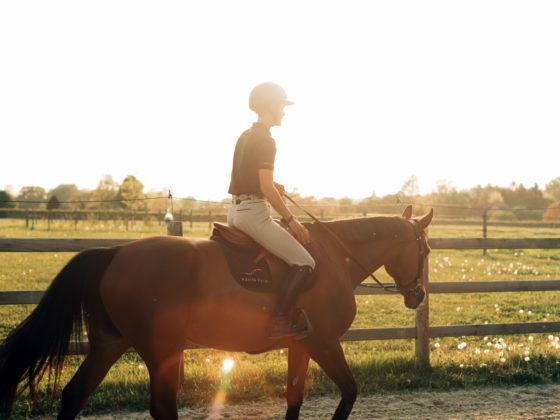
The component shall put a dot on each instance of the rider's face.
(278, 112)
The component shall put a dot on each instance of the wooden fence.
(421, 332)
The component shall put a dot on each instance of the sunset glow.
(462, 91)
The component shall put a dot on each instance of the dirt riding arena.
(527, 402)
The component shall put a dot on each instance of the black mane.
(365, 229)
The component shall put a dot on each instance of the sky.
(462, 92)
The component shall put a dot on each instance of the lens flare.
(227, 365)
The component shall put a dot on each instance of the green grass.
(379, 366)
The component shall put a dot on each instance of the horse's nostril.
(419, 293)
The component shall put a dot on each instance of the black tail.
(40, 342)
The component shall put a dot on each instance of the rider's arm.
(271, 193)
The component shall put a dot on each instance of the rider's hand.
(301, 232)
(280, 188)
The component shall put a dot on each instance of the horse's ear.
(425, 220)
(407, 213)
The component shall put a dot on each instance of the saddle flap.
(233, 236)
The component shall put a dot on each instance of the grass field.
(379, 366)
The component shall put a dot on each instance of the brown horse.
(156, 293)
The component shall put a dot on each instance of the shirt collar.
(261, 126)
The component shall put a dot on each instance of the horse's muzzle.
(413, 300)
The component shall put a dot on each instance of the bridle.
(414, 288)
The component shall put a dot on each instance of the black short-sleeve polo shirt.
(255, 149)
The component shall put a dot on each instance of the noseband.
(414, 288)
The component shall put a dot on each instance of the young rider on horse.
(254, 192)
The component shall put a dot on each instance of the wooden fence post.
(484, 228)
(210, 220)
(190, 218)
(176, 229)
(422, 321)
(26, 218)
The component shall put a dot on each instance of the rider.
(254, 192)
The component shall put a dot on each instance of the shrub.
(552, 213)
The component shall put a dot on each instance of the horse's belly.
(228, 324)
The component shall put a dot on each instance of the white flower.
(458, 308)
(521, 311)
(461, 365)
(550, 337)
(462, 345)
(477, 351)
(486, 351)
(526, 353)
(503, 359)
(437, 345)
(530, 338)
(483, 365)
(527, 359)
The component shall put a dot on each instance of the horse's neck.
(368, 254)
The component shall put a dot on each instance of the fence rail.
(421, 332)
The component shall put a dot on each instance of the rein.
(390, 289)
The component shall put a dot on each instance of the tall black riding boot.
(281, 325)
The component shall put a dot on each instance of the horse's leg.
(330, 357)
(99, 360)
(164, 384)
(298, 361)
(162, 350)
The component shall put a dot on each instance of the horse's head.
(406, 264)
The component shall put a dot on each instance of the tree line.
(515, 202)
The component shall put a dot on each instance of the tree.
(131, 189)
(106, 190)
(410, 188)
(63, 192)
(53, 203)
(552, 189)
(78, 200)
(6, 200)
(35, 194)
